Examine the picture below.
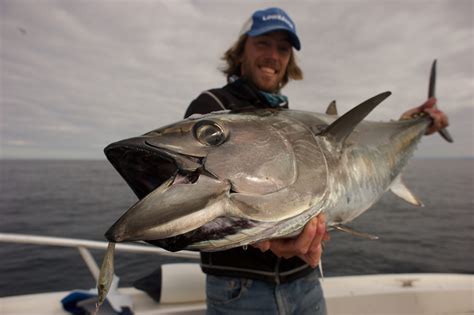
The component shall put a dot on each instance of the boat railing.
(84, 245)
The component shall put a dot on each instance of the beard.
(261, 76)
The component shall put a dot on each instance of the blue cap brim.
(294, 40)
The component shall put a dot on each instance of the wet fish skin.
(296, 174)
(239, 178)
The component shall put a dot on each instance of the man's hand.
(307, 245)
(440, 120)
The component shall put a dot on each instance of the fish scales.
(281, 171)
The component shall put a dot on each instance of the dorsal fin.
(332, 109)
(400, 190)
(344, 125)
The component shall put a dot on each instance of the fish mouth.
(145, 167)
(173, 190)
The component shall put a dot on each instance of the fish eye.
(209, 133)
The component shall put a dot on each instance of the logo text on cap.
(278, 17)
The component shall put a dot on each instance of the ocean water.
(81, 199)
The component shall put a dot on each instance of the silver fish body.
(223, 180)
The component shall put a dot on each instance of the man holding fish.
(275, 276)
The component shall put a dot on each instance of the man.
(277, 276)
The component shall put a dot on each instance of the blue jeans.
(232, 296)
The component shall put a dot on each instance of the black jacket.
(247, 262)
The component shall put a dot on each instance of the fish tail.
(431, 93)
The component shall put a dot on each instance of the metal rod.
(90, 262)
(71, 242)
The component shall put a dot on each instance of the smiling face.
(265, 60)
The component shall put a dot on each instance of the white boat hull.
(373, 294)
(183, 289)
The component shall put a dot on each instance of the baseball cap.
(269, 20)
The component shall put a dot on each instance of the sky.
(78, 75)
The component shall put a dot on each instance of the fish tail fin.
(431, 93)
(446, 135)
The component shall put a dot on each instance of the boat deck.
(373, 294)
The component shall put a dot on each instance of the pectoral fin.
(400, 190)
(349, 230)
(165, 213)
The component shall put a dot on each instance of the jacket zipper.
(277, 271)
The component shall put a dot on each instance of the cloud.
(79, 75)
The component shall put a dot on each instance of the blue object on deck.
(81, 302)
(70, 302)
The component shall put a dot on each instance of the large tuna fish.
(225, 179)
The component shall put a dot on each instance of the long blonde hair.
(232, 66)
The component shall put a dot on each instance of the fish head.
(186, 174)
